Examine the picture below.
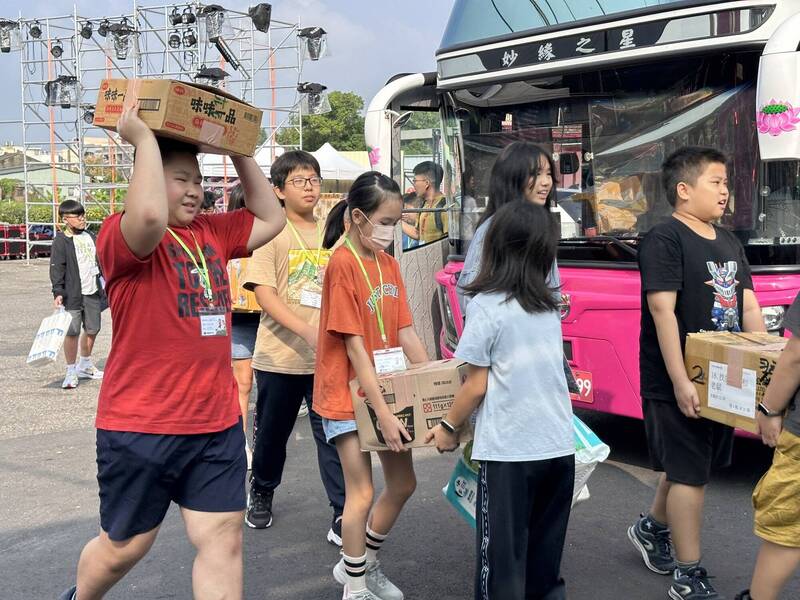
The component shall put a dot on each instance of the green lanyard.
(205, 280)
(378, 310)
(305, 250)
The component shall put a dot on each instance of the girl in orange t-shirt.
(364, 309)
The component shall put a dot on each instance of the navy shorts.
(141, 473)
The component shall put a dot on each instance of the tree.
(421, 120)
(342, 127)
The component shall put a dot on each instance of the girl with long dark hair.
(522, 171)
(523, 434)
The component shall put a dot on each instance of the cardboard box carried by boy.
(419, 397)
(731, 371)
(217, 122)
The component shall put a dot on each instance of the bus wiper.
(607, 238)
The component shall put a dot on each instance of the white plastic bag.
(50, 338)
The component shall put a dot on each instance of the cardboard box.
(420, 397)
(731, 371)
(211, 118)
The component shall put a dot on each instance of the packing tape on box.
(211, 133)
(735, 362)
(132, 93)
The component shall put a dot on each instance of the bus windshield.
(472, 21)
(610, 131)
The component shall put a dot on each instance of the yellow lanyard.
(378, 310)
(205, 280)
(303, 247)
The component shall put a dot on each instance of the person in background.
(430, 226)
(77, 287)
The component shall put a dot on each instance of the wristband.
(447, 426)
(762, 408)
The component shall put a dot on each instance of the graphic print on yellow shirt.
(304, 274)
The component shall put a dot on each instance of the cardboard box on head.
(731, 372)
(419, 397)
(217, 122)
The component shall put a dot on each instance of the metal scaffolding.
(92, 165)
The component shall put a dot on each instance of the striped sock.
(355, 568)
(374, 543)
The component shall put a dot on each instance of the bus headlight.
(773, 317)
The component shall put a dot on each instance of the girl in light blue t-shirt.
(523, 434)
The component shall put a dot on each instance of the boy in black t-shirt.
(694, 277)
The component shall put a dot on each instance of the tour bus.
(610, 87)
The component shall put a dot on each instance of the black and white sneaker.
(68, 594)
(654, 544)
(745, 595)
(335, 532)
(692, 584)
(259, 509)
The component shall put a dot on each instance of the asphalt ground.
(49, 503)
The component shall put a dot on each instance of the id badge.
(212, 322)
(310, 298)
(389, 360)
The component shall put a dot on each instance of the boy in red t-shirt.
(168, 417)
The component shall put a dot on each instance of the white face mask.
(381, 238)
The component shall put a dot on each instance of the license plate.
(585, 388)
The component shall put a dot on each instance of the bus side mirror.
(568, 163)
(778, 94)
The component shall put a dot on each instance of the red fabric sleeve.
(116, 258)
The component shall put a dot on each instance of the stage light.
(9, 35)
(104, 27)
(88, 114)
(175, 17)
(62, 91)
(189, 38)
(210, 76)
(188, 18)
(35, 30)
(314, 99)
(57, 49)
(86, 30)
(316, 42)
(261, 15)
(121, 34)
(174, 39)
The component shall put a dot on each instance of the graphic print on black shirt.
(725, 314)
(709, 278)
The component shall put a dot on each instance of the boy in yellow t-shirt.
(286, 276)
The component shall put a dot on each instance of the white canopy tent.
(335, 166)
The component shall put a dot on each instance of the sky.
(370, 40)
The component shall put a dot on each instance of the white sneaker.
(70, 381)
(303, 412)
(377, 582)
(380, 585)
(360, 595)
(90, 372)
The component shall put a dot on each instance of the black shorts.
(685, 449)
(141, 473)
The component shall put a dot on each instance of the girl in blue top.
(523, 434)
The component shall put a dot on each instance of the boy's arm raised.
(260, 199)
(391, 427)
(146, 210)
(662, 307)
(751, 313)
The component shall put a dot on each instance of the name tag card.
(310, 298)
(212, 322)
(389, 360)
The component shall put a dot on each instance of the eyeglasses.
(300, 182)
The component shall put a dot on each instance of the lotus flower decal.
(776, 117)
